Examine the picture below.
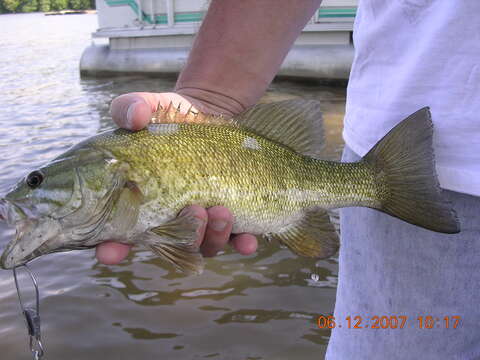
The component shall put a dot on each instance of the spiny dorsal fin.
(313, 235)
(296, 123)
(172, 114)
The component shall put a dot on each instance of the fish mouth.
(11, 213)
(34, 236)
(8, 261)
(15, 254)
(17, 251)
(3, 210)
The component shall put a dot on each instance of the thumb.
(133, 111)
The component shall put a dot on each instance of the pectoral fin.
(175, 241)
(313, 235)
(127, 207)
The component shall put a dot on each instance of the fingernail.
(130, 112)
(218, 225)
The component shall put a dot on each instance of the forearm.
(239, 49)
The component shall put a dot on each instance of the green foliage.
(44, 5)
(74, 4)
(58, 4)
(79, 4)
(28, 6)
(10, 5)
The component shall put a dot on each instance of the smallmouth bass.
(263, 165)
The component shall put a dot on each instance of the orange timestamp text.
(389, 322)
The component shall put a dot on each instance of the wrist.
(211, 102)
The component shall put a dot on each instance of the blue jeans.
(400, 271)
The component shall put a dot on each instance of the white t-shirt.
(415, 53)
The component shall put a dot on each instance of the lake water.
(262, 306)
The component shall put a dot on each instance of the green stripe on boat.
(162, 19)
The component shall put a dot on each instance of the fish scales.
(267, 182)
(263, 165)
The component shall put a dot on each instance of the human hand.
(134, 111)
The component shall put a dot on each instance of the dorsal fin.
(172, 114)
(295, 123)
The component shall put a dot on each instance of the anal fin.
(175, 241)
(313, 235)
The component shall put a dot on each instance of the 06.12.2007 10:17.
(389, 322)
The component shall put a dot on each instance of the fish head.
(56, 208)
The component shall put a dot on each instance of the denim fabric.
(391, 268)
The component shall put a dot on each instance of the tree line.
(22, 6)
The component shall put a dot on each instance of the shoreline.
(70, 12)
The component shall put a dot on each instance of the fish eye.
(34, 179)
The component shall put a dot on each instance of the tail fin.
(404, 160)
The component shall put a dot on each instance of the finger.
(219, 227)
(110, 253)
(245, 244)
(201, 214)
(133, 111)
